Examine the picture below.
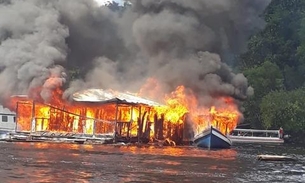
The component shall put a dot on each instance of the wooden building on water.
(97, 113)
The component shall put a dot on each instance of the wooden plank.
(266, 157)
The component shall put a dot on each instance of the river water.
(51, 162)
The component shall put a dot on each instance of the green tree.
(279, 42)
(263, 79)
(274, 65)
(300, 70)
(284, 109)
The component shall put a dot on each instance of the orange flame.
(176, 106)
(225, 116)
(91, 118)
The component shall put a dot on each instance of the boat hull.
(212, 138)
(4, 134)
(261, 140)
(255, 136)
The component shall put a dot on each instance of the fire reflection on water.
(221, 154)
(42, 162)
(47, 162)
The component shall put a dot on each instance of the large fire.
(180, 102)
(93, 118)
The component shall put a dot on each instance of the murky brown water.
(45, 162)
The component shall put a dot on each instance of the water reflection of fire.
(138, 120)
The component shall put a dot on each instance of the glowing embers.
(176, 106)
(24, 115)
(42, 118)
(82, 117)
(127, 119)
(35, 117)
(225, 117)
(134, 120)
(222, 113)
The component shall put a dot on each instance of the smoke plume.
(177, 42)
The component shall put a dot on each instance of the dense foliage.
(275, 66)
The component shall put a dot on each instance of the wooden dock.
(58, 137)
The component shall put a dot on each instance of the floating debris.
(267, 157)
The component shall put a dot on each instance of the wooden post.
(80, 121)
(116, 121)
(188, 132)
(85, 121)
(42, 124)
(161, 123)
(156, 123)
(120, 126)
(16, 120)
(33, 122)
(139, 124)
(169, 129)
(94, 124)
(143, 122)
(131, 120)
(143, 128)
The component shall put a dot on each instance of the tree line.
(275, 67)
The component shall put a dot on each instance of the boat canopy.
(255, 131)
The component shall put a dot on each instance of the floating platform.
(58, 137)
(267, 157)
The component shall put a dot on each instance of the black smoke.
(178, 42)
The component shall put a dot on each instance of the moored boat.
(7, 122)
(256, 136)
(212, 138)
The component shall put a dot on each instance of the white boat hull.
(245, 139)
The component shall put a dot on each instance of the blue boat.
(212, 138)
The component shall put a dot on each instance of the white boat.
(7, 122)
(255, 136)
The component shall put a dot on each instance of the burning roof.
(110, 96)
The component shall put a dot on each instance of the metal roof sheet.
(106, 96)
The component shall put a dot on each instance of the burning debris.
(176, 53)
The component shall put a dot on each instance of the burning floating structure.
(110, 116)
(92, 113)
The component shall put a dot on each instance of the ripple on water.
(82, 163)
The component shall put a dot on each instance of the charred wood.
(156, 126)
(188, 132)
(160, 130)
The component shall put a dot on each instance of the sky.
(103, 2)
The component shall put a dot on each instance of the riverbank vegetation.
(275, 67)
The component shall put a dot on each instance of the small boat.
(4, 135)
(256, 136)
(7, 122)
(212, 138)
